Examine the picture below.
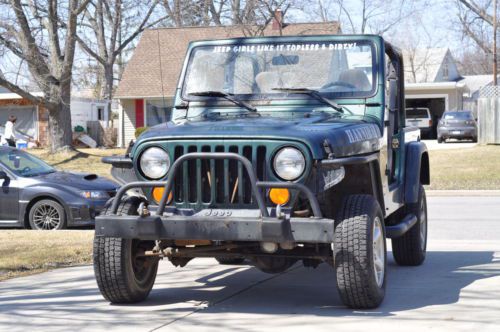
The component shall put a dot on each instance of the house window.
(157, 112)
(446, 73)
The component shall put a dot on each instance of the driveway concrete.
(432, 144)
(457, 289)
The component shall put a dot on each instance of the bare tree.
(193, 12)
(31, 32)
(476, 22)
(108, 28)
(253, 16)
(474, 61)
(416, 45)
(366, 16)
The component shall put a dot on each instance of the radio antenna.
(161, 70)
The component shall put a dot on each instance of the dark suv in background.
(457, 124)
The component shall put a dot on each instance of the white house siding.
(448, 70)
(127, 121)
(83, 110)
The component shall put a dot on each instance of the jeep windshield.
(253, 71)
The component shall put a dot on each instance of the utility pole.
(495, 42)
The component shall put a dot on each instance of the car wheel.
(410, 249)
(360, 252)
(47, 214)
(440, 140)
(123, 273)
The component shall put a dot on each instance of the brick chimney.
(278, 20)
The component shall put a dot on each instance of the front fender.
(59, 194)
(417, 170)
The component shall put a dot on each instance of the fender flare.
(417, 170)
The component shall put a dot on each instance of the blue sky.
(432, 23)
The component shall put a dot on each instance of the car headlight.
(94, 194)
(289, 163)
(154, 163)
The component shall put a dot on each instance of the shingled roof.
(142, 79)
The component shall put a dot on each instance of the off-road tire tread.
(406, 249)
(352, 262)
(108, 255)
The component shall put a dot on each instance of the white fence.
(488, 113)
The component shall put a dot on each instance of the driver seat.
(357, 78)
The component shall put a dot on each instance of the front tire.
(47, 214)
(410, 249)
(360, 252)
(122, 273)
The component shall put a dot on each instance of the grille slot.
(213, 183)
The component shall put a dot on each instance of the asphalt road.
(457, 289)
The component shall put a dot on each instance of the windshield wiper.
(225, 95)
(315, 94)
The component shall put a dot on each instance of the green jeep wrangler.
(279, 150)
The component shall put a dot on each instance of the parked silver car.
(457, 124)
(35, 195)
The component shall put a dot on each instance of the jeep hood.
(345, 137)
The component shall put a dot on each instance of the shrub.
(140, 130)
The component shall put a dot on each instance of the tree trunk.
(108, 81)
(60, 131)
(108, 88)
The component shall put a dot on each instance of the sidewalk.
(447, 193)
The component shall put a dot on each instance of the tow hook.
(143, 210)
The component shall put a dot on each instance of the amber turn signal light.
(279, 196)
(158, 194)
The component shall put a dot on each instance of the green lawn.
(24, 252)
(475, 168)
(81, 160)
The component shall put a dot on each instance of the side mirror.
(3, 175)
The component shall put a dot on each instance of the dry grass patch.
(24, 252)
(476, 168)
(81, 160)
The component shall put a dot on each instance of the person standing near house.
(9, 137)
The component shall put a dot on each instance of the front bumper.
(85, 214)
(459, 132)
(300, 230)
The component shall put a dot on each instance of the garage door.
(26, 118)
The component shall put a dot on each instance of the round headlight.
(154, 163)
(289, 164)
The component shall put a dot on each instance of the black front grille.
(211, 183)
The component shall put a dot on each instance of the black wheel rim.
(141, 264)
(46, 217)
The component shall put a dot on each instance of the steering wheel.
(26, 170)
(338, 83)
